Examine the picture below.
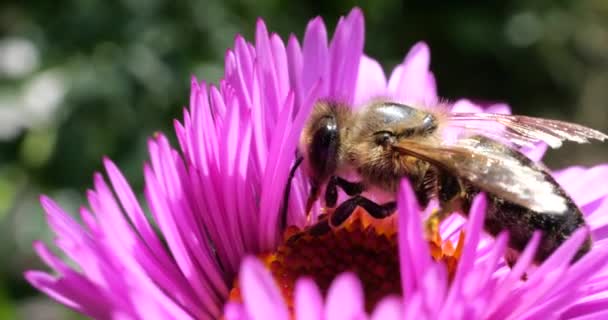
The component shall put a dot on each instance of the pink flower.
(216, 200)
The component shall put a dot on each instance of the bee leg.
(422, 197)
(331, 191)
(313, 195)
(286, 193)
(350, 188)
(426, 188)
(345, 210)
(451, 194)
(431, 225)
(318, 229)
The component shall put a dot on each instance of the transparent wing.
(523, 130)
(491, 169)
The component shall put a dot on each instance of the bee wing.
(492, 170)
(523, 130)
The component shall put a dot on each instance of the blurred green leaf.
(7, 306)
(37, 147)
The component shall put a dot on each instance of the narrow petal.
(579, 190)
(499, 108)
(262, 298)
(588, 308)
(315, 56)
(308, 300)
(569, 175)
(346, 288)
(235, 311)
(563, 255)
(134, 211)
(593, 316)
(473, 231)
(464, 105)
(56, 289)
(537, 152)
(276, 176)
(294, 59)
(413, 249)
(411, 82)
(467, 260)
(346, 49)
(512, 279)
(388, 309)
(371, 81)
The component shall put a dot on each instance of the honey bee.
(370, 149)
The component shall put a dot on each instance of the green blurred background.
(85, 78)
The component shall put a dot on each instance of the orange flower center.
(362, 245)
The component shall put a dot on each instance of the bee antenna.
(287, 191)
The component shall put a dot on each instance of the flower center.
(362, 245)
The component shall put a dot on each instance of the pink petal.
(371, 81)
(235, 311)
(563, 255)
(579, 188)
(569, 175)
(411, 81)
(308, 300)
(593, 316)
(294, 58)
(413, 249)
(388, 309)
(315, 57)
(535, 153)
(346, 49)
(261, 296)
(346, 288)
(473, 231)
(499, 108)
(464, 106)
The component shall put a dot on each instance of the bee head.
(379, 127)
(321, 140)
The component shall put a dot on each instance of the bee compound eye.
(384, 138)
